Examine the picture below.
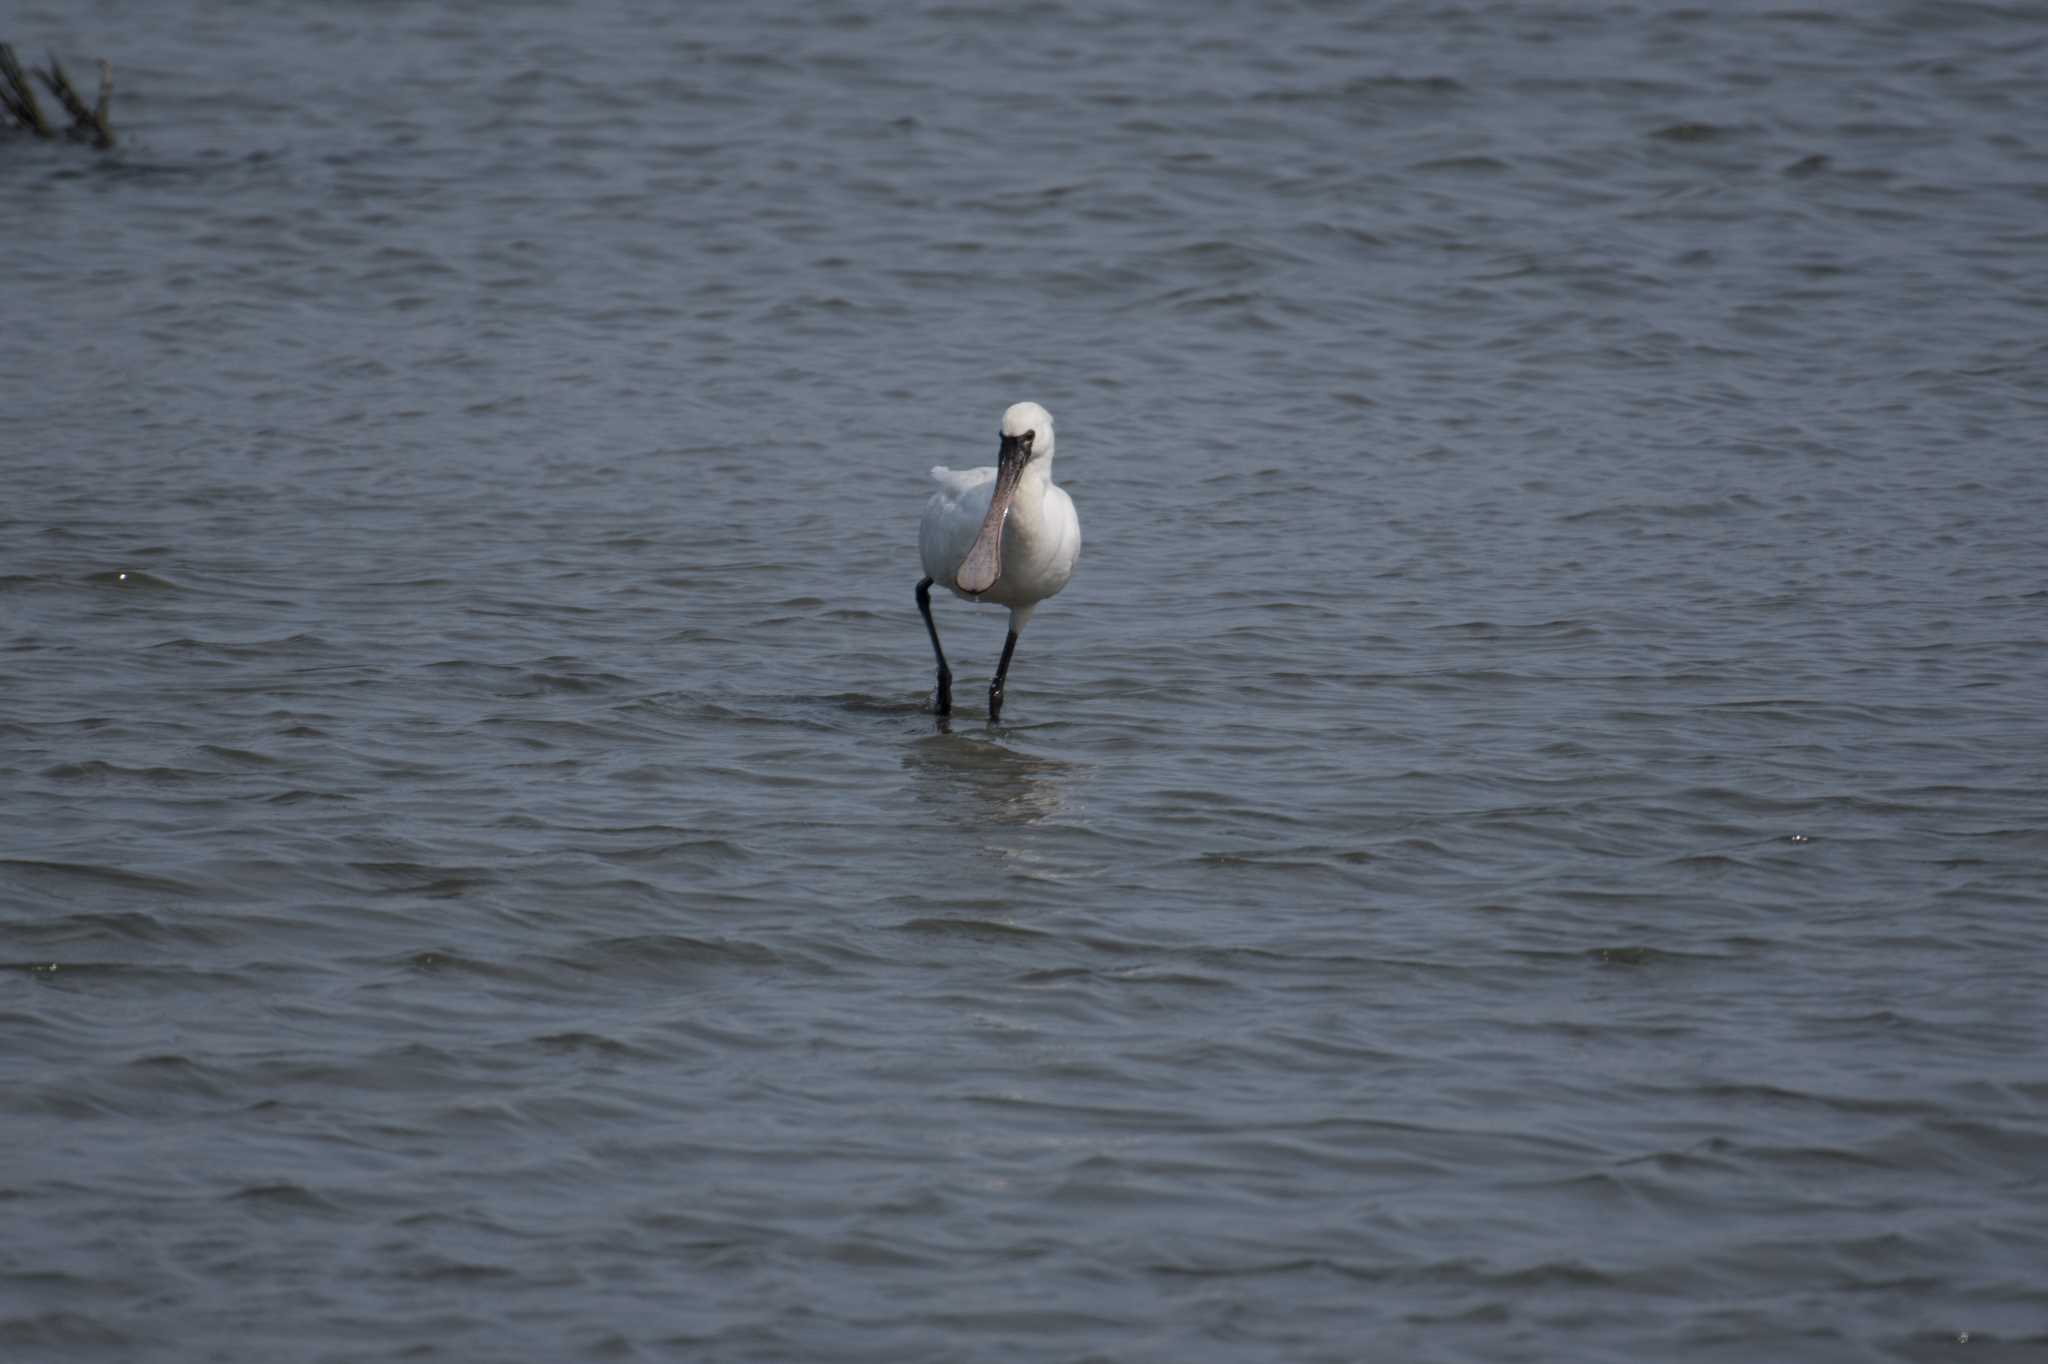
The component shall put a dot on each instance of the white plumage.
(1017, 558)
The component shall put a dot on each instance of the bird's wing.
(952, 519)
(954, 482)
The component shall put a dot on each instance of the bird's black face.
(1016, 447)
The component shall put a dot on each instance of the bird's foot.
(942, 701)
(995, 704)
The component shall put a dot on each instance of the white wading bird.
(1005, 535)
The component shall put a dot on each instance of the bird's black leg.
(943, 705)
(995, 688)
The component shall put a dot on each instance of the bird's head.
(1029, 426)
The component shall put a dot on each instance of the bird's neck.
(1031, 486)
(1027, 504)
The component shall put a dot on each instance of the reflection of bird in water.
(1005, 534)
(987, 783)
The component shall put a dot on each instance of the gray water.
(1525, 839)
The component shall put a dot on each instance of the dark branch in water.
(19, 95)
(18, 99)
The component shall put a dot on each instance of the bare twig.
(84, 121)
(7, 99)
(60, 86)
(18, 100)
(20, 96)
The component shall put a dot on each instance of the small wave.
(989, 929)
(132, 580)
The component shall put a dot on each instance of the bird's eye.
(1029, 436)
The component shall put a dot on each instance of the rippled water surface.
(1525, 839)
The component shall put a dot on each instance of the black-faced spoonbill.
(1006, 535)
